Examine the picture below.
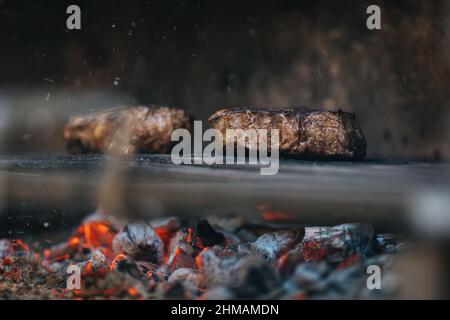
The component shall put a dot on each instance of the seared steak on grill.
(303, 133)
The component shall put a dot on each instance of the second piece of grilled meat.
(125, 131)
(303, 133)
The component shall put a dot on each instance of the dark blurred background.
(203, 55)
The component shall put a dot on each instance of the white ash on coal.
(139, 241)
(96, 262)
(273, 245)
(190, 279)
(243, 273)
(308, 274)
(337, 244)
(181, 251)
(171, 224)
(99, 215)
(166, 228)
(5, 248)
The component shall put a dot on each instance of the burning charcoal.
(241, 271)
(216, 270)
(255, 279)
(230, 238)
(16, 260)
(174, 290)
(139, 241)
(86, 238)
(158, 275)
(232, 228)
(207, 235)
(19, 266)
(56, 279)
(151, 281)
(54, 267)
(111, 285)
(137, 269)
(180, 252)
(271, 215)
(95, 235)
(346, 281)
(190, 278)
(165, 228)
(7, 267)
(122, 263)
(100, 216)
(310, 274)
(273, 245)
(62, 251)
(27, 257)
(117, 260)
(9, 247)
(145, 266)
(6, 248)
(181, 259)
(337, 244)
(96, 263)
(288, 262)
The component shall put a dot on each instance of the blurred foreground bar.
(403, 196)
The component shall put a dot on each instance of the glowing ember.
(86, 238)
(96, 234)
(273, 215)
(196, 260)
(116, 261)
(276, 216)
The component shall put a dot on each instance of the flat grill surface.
(316, 192)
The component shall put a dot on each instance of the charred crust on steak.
(304, 133)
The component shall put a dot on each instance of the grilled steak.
(125, 130)
(303, 133)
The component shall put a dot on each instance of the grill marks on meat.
(303, 133)
(145, 129)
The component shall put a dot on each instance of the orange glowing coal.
(276, 216)
(273, 215)
(165, 234)
(96, 234)
(133, 292)
(21, 245)
(92, 235)
(190, 237)
(198, 259)
(116, 261)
